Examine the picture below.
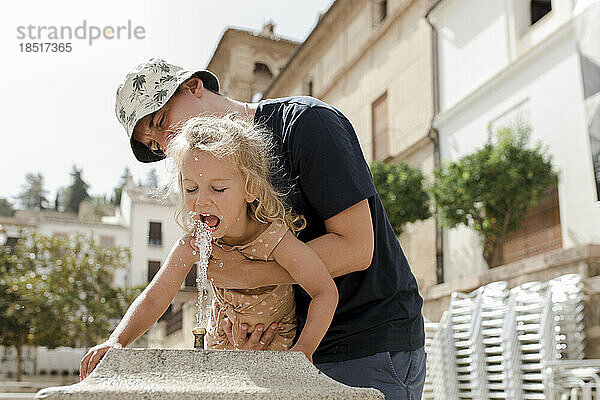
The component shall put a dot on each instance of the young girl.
(223, 166)
(223, 170)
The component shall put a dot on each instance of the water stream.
(202, 243)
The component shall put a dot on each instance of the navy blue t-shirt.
(321, 165)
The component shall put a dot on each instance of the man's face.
(157, 129)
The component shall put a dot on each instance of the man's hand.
(258, 340)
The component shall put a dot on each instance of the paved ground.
(30, 385)
(16, 396)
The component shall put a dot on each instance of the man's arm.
(346, 247)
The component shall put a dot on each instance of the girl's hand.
(93, 357)
(307, 353)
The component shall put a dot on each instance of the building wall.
(541, 85)
(352, 61)
(97, 230)
(236, 55)
(497, 34)
(141, 251)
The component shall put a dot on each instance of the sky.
(57, 108)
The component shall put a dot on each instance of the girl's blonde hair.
(248, 148)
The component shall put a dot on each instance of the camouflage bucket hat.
(146, 89)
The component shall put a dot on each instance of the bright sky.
(57, 109)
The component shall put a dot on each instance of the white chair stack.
(495, 343)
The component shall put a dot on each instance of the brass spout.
(199, 337)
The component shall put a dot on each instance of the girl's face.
(215, 191)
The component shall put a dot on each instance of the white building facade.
(518, 60)
(143, 223)
(151, 230)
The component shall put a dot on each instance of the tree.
(76, 192)
(59, 200)
(95, 208)
(401, 190)
(57, 291)
(6, 208)
(116, 199)
(33, 194)
(151, 182)
(491, 189)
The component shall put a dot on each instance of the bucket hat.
(146, 89)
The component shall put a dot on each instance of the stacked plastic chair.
(573, 379)
(567, 309)
(443, 379)
(430, 349)
(533, 319)
(496, 344)
(493, 310)
(464, 324)
(511, 352)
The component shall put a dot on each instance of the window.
(309, 88)
(106, 242)
(539, 8)
(379, 128)
(155, 234)
(190, 279)
(539, 231)
(379, 11)
(11, 242)
(516, 116)
(174, 321)
(153, 267)
(262, 79)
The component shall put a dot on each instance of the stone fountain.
(130, 373)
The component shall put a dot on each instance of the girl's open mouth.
(212, 221)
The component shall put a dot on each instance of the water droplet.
(195, 158)
(221, 265)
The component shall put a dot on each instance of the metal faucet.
(199, 333)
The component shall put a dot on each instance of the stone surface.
(198, 374)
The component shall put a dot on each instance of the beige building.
(384, 65)
(246, 61)
(372, 61)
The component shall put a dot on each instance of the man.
(376, 338)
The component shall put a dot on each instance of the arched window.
(262, 79)
(539, 8)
